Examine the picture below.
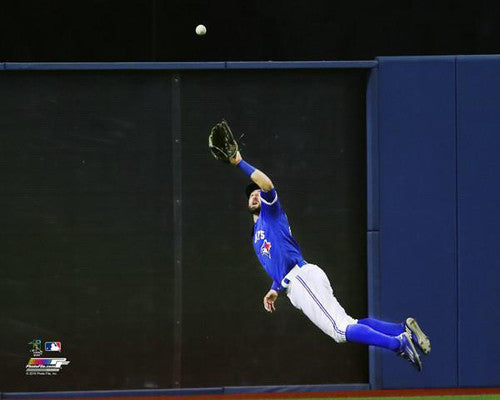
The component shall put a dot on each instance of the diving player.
(307, 285)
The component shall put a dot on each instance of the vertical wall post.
(373, 204)
(177, 234)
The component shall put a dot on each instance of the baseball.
(201, 30)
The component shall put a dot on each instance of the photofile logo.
(45, 366)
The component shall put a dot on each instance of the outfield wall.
(433, 134)
(432, 139)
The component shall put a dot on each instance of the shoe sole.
(417, 361)
(423, 341)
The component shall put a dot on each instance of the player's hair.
(250, 188)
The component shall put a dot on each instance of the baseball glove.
(221, 142)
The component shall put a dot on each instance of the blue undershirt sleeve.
(246, 168)
(276, 286)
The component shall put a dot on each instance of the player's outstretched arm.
(259, 177)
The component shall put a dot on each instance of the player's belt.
(292, 274)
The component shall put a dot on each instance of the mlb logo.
(53, 346)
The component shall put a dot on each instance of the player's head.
(253, 194)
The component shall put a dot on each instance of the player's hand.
(269, 300)
(236, 159)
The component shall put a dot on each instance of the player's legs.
(359, 333)
(310, 291)
(389, 328)
(411, 326)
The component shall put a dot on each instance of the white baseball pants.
(309, 290)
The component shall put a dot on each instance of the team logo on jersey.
(265, 249)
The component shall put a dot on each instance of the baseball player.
(306, 284)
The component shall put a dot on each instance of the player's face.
(254, 202)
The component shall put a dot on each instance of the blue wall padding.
(417, 182)
(437, 120)
(478, 116)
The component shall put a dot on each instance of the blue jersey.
(276, 249)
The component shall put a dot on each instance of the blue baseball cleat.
(418, 336)
(407, 350)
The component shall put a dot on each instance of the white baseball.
(201, 30)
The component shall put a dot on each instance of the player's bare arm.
(269, 300)
(259, 177)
